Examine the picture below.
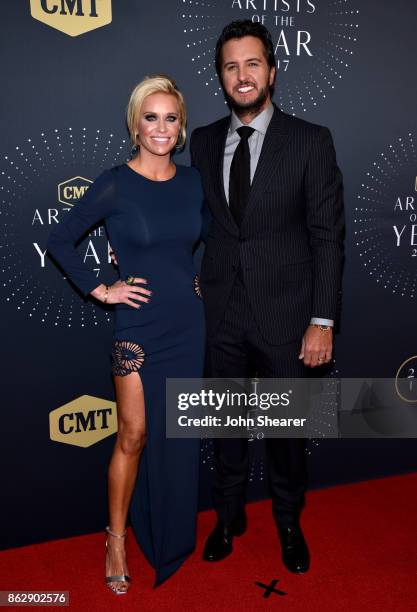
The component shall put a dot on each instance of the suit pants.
(238, 350)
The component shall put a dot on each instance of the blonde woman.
(152, 209)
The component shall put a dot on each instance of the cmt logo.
(73, 17)
(70, 191)
(83, 422)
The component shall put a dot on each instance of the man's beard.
(249, 107)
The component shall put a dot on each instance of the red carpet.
(362, 537)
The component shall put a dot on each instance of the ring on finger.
(130, 280)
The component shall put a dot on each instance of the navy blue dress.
(153, 227)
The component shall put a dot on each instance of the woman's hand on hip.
(123, 293)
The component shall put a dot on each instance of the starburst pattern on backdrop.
(29, 175)
(301, 84)
(391, 175)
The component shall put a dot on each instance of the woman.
(152, 211)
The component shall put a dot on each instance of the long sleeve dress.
(153, 227)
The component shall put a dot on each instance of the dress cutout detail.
(197, 286)
(127, 357)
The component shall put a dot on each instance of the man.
(271, 272)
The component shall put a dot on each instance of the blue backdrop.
(67, 70)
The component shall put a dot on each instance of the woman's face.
(158, 124)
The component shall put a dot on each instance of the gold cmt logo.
(73, 17)
(70, 191)
(83, 422)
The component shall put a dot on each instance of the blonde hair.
(157, 83)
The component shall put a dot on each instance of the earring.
(135, 147)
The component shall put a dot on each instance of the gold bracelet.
(106, 295)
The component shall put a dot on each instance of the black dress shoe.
(219, 543)
(295, 554)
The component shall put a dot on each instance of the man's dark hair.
(239, 29)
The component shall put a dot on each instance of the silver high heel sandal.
(124, 577)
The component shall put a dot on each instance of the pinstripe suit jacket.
(290, 243)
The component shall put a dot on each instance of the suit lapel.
(273, 149)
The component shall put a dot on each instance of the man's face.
(245, 74)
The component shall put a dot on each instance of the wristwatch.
(323, 328)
